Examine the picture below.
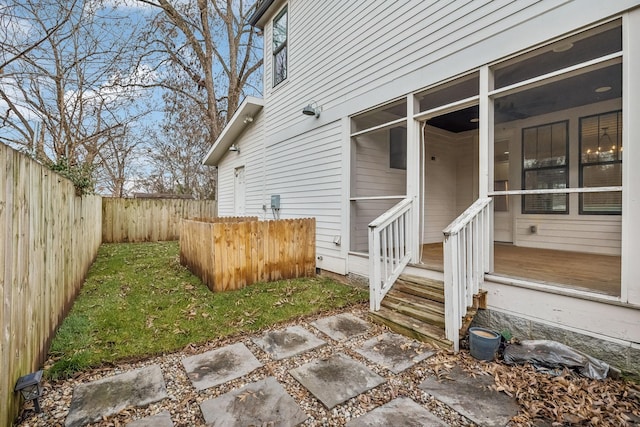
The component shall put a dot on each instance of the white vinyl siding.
(251, 158)
(599, 235)
(306, 173)
(363, 212)
(340, 57)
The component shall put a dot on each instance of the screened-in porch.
(552, 164)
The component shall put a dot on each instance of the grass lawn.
(139, 301)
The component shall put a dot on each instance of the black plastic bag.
(552, 357)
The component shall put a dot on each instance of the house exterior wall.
(251, 156)
(305, 171)
(372, 174)
(340, 62)
(338, 59)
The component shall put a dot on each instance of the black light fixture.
(29, 387)
(312, 109)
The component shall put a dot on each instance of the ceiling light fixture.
(474, 120)
(247, 119)
(602, 89)
(235, 148)
(562, 47)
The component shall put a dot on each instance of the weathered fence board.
(48, 239)
(149, 220)
(233, 253)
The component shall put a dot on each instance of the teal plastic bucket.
(483, 343)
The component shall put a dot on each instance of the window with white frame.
(280, 47)
(601, 162)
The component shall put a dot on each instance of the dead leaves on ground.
(567, 399)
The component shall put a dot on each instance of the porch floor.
(576, 270)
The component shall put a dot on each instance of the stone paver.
(332, 381)
(341, 326)
(288, 342)
(219, 366)
(399, 412)
(394, 352)
(470, 397)
(163, 419)
(336, 379)
(108, 396)
(263, 403)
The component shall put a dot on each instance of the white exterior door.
(239, 191)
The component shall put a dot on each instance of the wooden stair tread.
(411, 327)
(423, 281)
(415, 313)
(420, 291)
(415, 307)
(418, 308)
(410, 299)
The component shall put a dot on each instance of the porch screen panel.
(446, 93)
(362, 213)
(378, 167)
(594, 43)
(385, 114)
(379, 163)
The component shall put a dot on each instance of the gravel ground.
(184, 400)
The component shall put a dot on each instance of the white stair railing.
(389, 249)
(467, 257)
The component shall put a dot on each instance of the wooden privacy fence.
(48, 239)
(233, 253)
(149, 220)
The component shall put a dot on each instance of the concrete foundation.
(626, 358)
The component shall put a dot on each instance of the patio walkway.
(239, 383)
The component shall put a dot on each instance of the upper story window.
(280, 29)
